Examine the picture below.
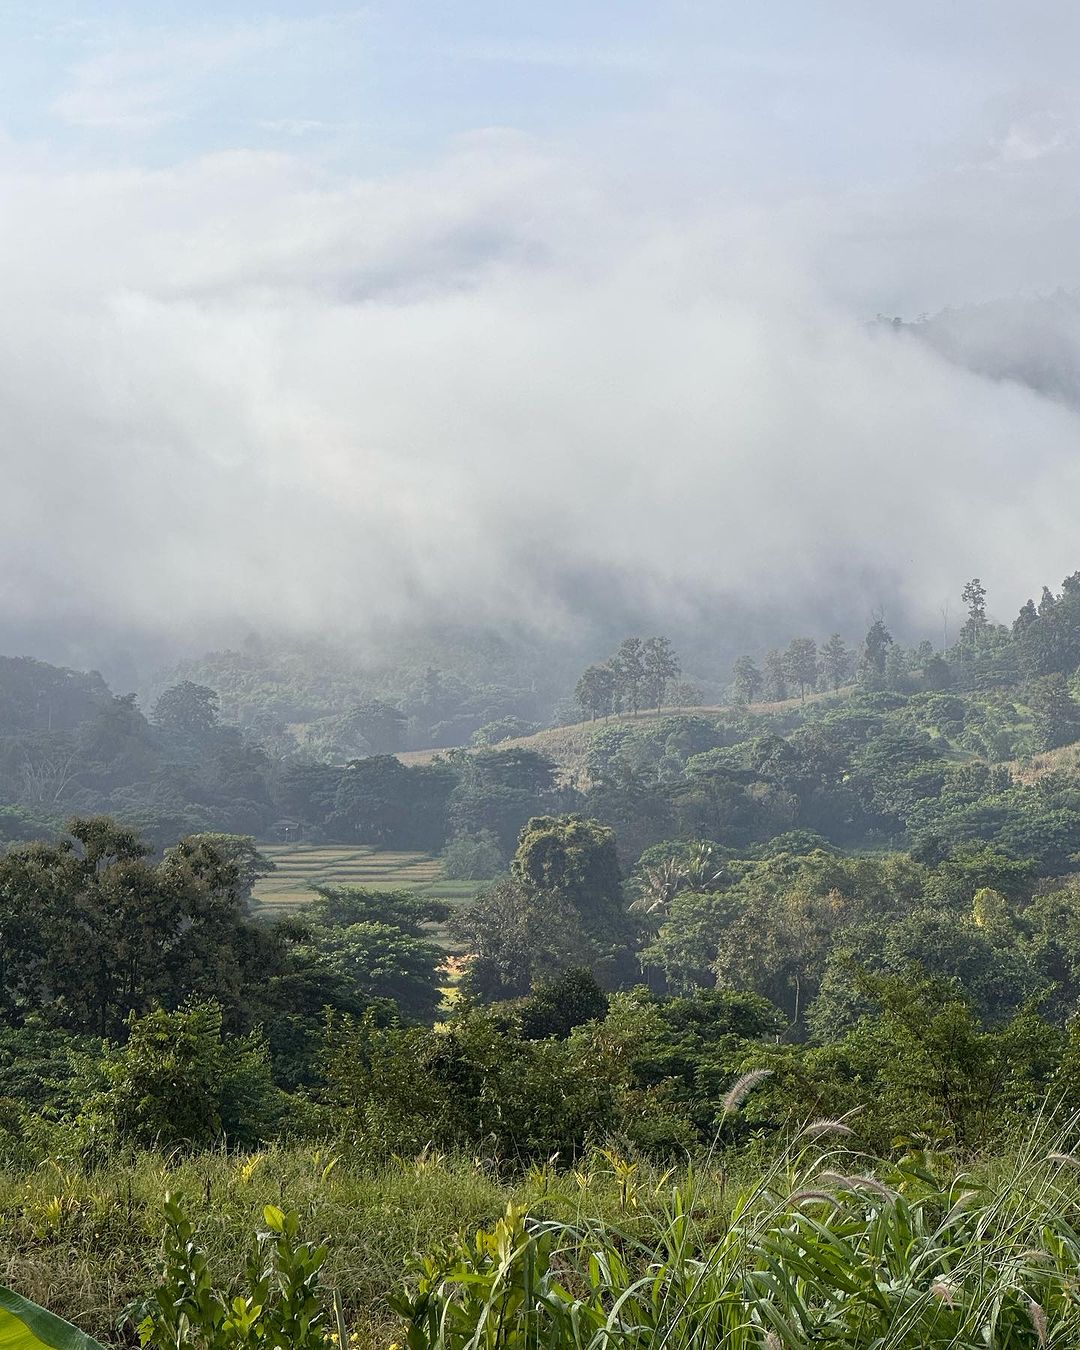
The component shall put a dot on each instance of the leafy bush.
(178, 1081)
(281, 1303)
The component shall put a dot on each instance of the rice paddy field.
(299, 867)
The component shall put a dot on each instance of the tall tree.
(974, 596)
(776, 676)
(576, 859)
(801, 659)
(748, 680)
(628, 664)
(661, 665)
(836, 661)
(876, 646)
(187, 708)
(595, 691)
(1027, 616)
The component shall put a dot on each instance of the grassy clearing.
(86, 1243)
(301, 867)
(568, 746)
(815, 1244)
(1065, 759)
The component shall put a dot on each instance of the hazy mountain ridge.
(1033, 341)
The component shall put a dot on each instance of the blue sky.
(321, 311)
(786, 89)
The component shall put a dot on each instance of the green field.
(299, 867)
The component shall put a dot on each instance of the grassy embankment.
(568, 746)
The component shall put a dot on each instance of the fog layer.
(247, 392)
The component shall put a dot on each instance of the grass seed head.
(742, 1087)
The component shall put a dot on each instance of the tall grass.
(87, 1242)
(813, 1245)
(818, 1251)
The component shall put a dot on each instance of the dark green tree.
(776, 676)
(801, 658)
(974, 596)
(189, 709)
(558, 1005)
(575, 859)
(628, 664)
(595, 691)
(1027, 616)
(876, 646)
(516, 937)
(1055, 713)
(178, 1080)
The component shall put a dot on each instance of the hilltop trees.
(776, 676)
(189, 709)
(837, 662)
(595, 691)
(1049, 640)
(974, 596)
(628, 669)
(748, 680)
(640, 667)
(875, 651)
(801, 660)
(661, 665)
(1055, 713)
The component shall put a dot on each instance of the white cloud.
(238, 390)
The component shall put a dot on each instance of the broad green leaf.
(25, 1326)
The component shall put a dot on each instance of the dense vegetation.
(857, 904)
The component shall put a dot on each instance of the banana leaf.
(25, 1326)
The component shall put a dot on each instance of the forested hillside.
(850, 894)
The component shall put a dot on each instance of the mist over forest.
(514, 386)
(703, 537)
(540, 675)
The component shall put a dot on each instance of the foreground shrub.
(179, 1082)
(280, 1303)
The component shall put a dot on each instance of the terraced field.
(299, 867)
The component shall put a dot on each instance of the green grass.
(86, 1242)
(720, 1254)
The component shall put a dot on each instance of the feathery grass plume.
(798, 1197)
(943, 1291)
(1070, 1158)
(856, 1183)
(817, 1128)
(958, 1208)
(742, 1087)
(1038, 1320)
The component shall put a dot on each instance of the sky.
(330, 319)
